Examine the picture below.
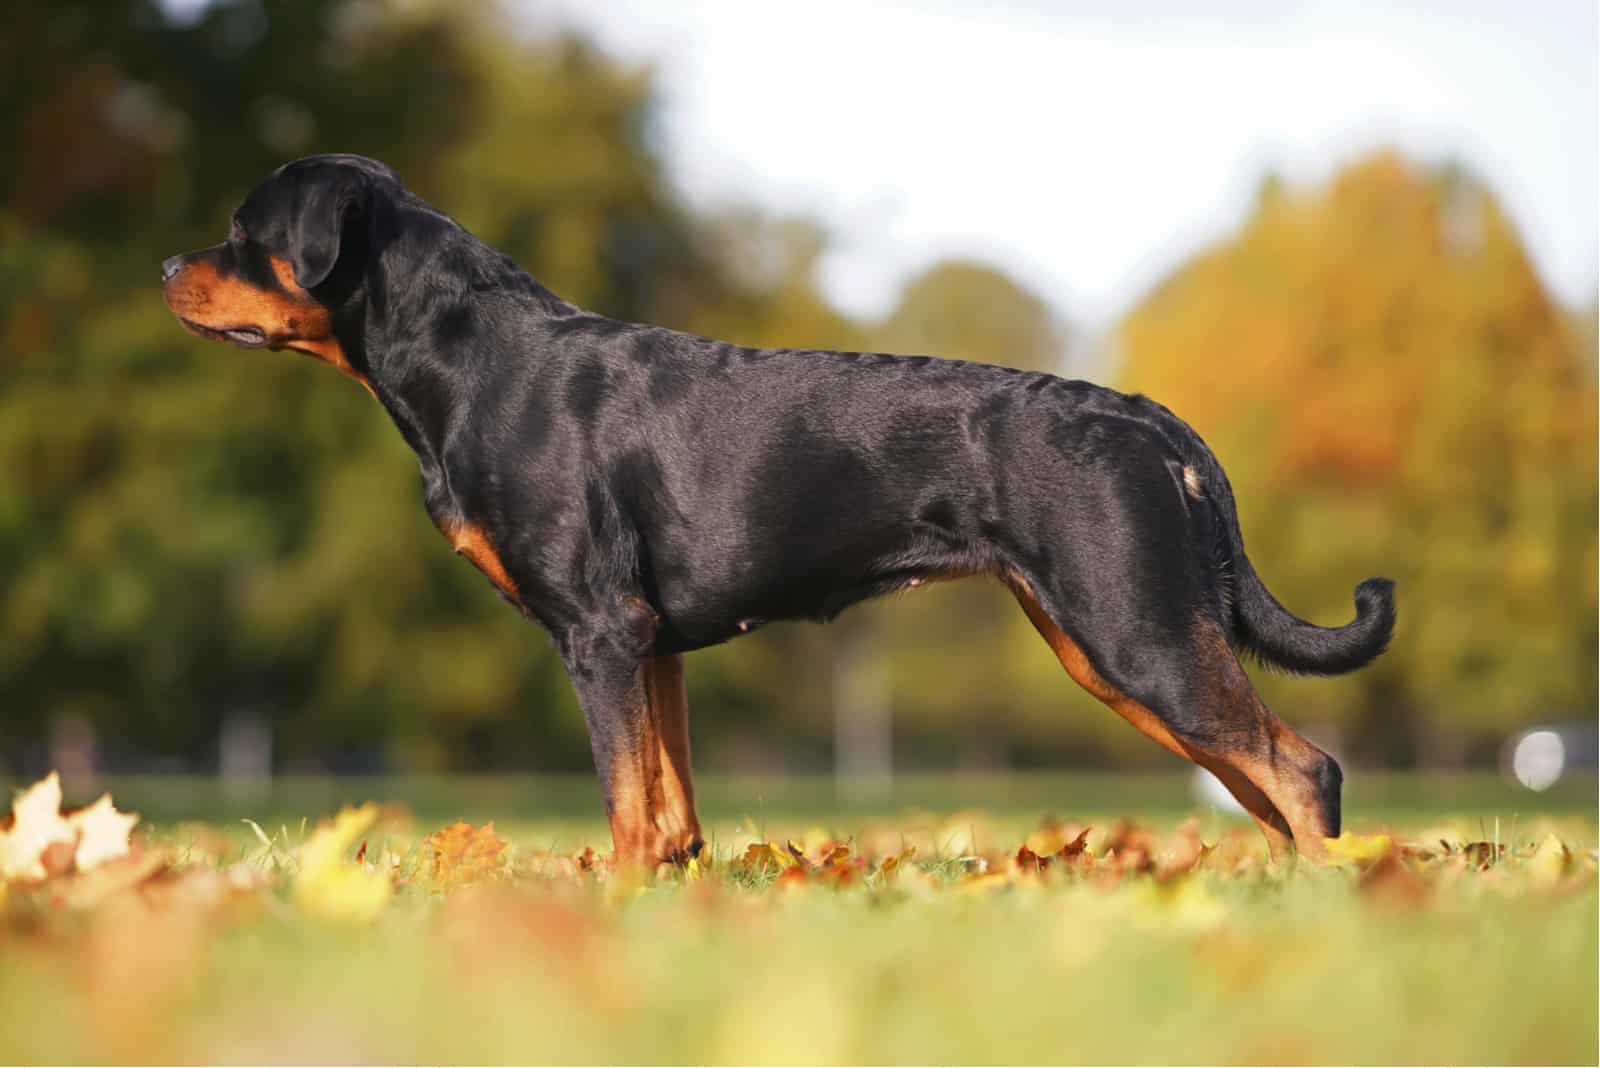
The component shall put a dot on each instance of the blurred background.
(1355, 247)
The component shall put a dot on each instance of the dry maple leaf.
(1184, 850)
(764, 856)
(26, 852)
(1027, 860)
(103, 833)
(1076, 848)
(462, 854)
(88, 889)
(834, 854)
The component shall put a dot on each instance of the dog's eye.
(237, 233)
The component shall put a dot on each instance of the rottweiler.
(641, 492)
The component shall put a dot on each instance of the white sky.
(1088, 148)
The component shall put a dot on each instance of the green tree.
(186, 529)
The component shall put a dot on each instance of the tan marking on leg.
(1282, 770)
(1077, 664)
(674, 816)
(632, 779)
(651, 800)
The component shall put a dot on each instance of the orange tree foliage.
(1393, 392)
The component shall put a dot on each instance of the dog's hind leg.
(1286, 784)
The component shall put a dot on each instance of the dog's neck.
(385, 319)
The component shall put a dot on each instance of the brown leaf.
(1027, 860)
(1184, 850)
(204, 889)
(892, 864)
(834, 854)
(1391, 882)
(88, 889)
(1078, 847)
(58, 859)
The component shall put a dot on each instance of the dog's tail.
(1260, 625)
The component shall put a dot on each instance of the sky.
(1090, 148)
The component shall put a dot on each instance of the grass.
(1438, 955)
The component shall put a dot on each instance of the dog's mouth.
(247, 337)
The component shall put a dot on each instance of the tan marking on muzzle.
(201, 295)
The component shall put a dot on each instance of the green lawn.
(957, 956)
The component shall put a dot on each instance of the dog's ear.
(326, 204)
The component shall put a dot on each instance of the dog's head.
(273, 282)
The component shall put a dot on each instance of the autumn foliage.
(398, 948)
(1393, 392)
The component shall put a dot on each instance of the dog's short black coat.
(642, 492)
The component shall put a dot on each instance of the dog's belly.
(709, 590)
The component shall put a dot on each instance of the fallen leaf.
(331, 887)
(462, 854)
(891, 865)
(1358, 848)
(762, 856)
(1183, 851)
(1179, 904)
(103, 833)
(833, 854)
(1077, 847)
(1550, 861)
(88, 889)
(1027, 860)
(36, 827)
(1391, 881)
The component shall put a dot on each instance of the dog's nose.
(170, 266)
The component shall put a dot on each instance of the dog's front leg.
(624, 691)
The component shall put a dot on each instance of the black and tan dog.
(642, 493)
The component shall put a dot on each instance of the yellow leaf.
(1550, 861)
(762, 855)
(37, 826)
(1358, 848)
(102, 833)
(332, 887)
(462, 854)
(1184, 904)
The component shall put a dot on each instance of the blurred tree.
(190, 533)
(186, 530)
(1393, 392)
(963, 310)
